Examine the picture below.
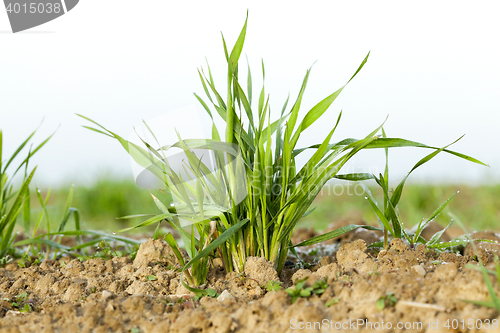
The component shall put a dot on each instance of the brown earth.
(145, 295)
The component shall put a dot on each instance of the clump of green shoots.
(389, 217)
(251, 201)
(22, 303)
(387, 300)
(274, 286)
(300, 289)
(13, 202)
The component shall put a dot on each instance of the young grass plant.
(250, 202)
(300, 289)
(16, 204)
(389, 217)
(13, 202)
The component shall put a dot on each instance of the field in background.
(101, 203)
(478, 207)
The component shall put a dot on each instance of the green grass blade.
(249, 83)
(33, 152)
(397, 143)
(93, 233)
(245, 102)
(434, 239)
(333, 234)
(319, 109)
(27, 212)
(482, 303)
(173, 244)
(216, 243)
(149, 221)
(238, 46)
(17, 151)
(41, 241)
(396, 196)
(1, 160)
(436, 213)
(356, 176)
(17, 205)
(206, 90)
(381, 217)
(444, 245)
(294, 113)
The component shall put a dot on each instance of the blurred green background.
(109, 197)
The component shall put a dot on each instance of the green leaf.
(216, 243)
(444, 245)
(356, 176)
(320, 108)
(397, 142)
(211, 292)
(42, 241)
(169, 238)
(381, 217)
(238, 46)
(380, 305)
(333, 234)
(432, 217)
(437, 235)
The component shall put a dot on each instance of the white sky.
(433, 69)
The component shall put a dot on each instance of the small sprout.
(23, 296)
(133, 254)
(305, 292)
(375, 271)
(152, 278)
(299, 290)
(209, 292)
(5, 260)
(389, 299)
(380, 303)
(331, 302)
(26, 308)
(320, 286)
(273, 286)
(62, 263)
(212, 293)
(313, 252)
(21, 263)
(135, 330)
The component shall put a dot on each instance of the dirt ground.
(421, 289)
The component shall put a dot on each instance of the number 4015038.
(471, 324)
(34, 7)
